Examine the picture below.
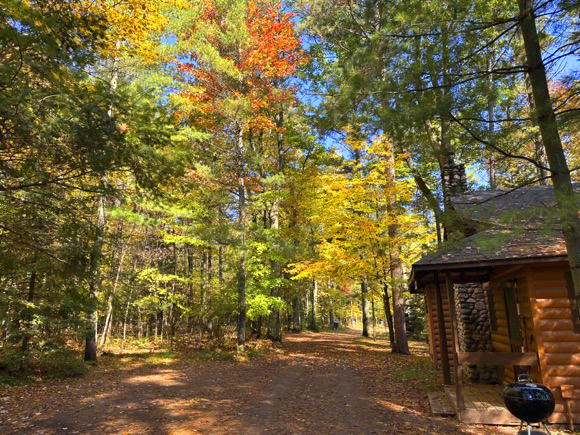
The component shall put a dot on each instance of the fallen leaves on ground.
(311, 383)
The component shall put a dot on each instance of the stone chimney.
(454, 178)
(474, 330)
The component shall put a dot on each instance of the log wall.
(500, 337)
(546, 325)
(431, 301)
(558, 344)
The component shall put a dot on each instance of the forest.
(193, 174)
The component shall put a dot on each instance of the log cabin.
(526, 314)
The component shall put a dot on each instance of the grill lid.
(529, 401)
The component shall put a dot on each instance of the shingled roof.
(496, 246)
(531, 207)
(519, 226)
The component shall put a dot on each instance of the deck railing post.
(455, 339)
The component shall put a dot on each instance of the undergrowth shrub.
(16, 366)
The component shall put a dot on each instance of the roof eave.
(498, 262)
(420, 271)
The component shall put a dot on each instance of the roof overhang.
(424, 274)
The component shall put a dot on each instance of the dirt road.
(313, 383)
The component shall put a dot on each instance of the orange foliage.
(272, 55)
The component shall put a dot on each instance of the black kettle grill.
(528, 401)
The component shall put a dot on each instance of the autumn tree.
(239, 57)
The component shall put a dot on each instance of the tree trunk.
(275, 332)
(313, 295)
(567, 203)
(139, 323)
(540, 153)
(389, 317)
(241, 281)
(202, 267)
(297, 315)
(490, 121)
(221, 264)
(374, 321)
(258, 327)
(275, 325)
(126, 316)
(331, 313)
(174, 316)
(209, 315)
(190, 296)
(27, 312)
(109, 317)
(96, 250)
(365, 308)
(397, 278)
(95, 278)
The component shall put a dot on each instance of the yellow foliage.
(132, 26)
(349, 214)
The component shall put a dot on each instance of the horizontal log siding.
(434, 326)
(500, 338)
(559, 345)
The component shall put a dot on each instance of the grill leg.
(546, 427)
(529, 428)
(521, 425)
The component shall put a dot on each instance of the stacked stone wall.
(474, 328)
(454, 178)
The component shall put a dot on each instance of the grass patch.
(419, 370)
(121, 360)
(132, 360)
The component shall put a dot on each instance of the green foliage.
(417, 317)
(96, 110)
(17, 367)
(263, 305)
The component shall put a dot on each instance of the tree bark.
(94, 277)
(397, 278)
(109, 317)
(365, 308)
(297, 315)
(389, 317)
(221, 264)
(126, 317)
(565, 198)
(241, 278)
(209, 315)
(374, 321)
(490, 122)
(540, 153)
(190, 297)
(275, 325)
(96, 251)
(313, 294)
(27, 312)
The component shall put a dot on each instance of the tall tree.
(560, 172)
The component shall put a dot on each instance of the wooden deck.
(483, 405)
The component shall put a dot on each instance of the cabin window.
(491, 307)
(574, 303)
(512, 311)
